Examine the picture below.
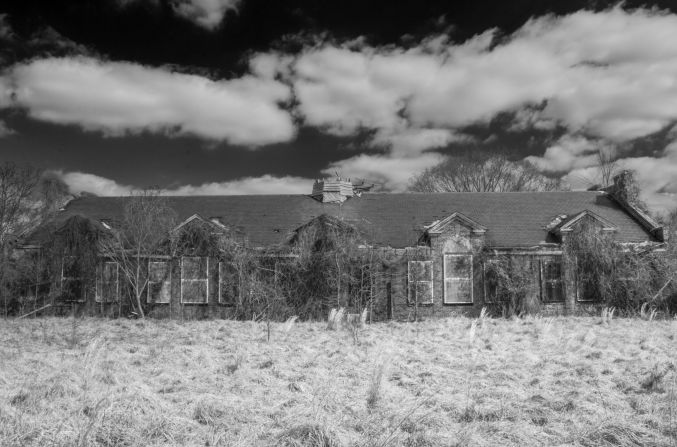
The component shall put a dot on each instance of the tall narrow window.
(551, 287)
(420, 279)
(228, 283)
(108, 283)
(458, 287)
(72, 287)
(159, 282)
(194, 279)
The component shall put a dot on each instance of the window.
(194, 279)
(159, 282)
(107, 283)
(551, 286)
(228, 284)
(458, 273)
(420, 281)
(72, 286)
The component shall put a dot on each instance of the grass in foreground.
(535, 381)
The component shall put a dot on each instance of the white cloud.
(568, 153)
(530, 118)
(614, 80)
(266, 184)
(391, 173)
(656, 178)
(79, 182)
(119, 98)
(206, 13)
(408, 141)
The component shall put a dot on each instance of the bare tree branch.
(482, 173)
(144, 228)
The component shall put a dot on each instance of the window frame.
(545, 281)
(205, 280)
(469, 278)
(413, 282)
(168, 280)
(98, 296)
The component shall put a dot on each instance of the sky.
(263, 96)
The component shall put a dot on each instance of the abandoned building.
(432, 251)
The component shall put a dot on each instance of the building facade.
(432, 254)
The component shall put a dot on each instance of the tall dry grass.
(459, 381)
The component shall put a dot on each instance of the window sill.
(459, 304)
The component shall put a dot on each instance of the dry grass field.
(521, 382)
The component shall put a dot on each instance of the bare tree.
(18, 212)
(142, 232)
(481, 172)
(17, 205)
(608, 166)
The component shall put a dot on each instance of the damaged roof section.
(518, 219)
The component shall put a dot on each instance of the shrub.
(631, 279)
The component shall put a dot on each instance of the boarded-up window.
(420, 279)
(458, 273)
(159, 282)
(72, 285)
(228, 283)
(551, 285)
(107, 283)
(194, 279)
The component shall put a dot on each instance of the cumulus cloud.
(392, 173)
(568, 153)
(206, 13)
(119, 98)
(79, 182)
(408, 141)
(614, 80)
(656, 178)
(266, 184)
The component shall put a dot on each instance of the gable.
(454, 220)
(585, 217)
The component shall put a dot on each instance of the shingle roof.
(513, 219)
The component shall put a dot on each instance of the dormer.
(567, 224)
(451, 222)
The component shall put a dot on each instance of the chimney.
(335, 190)
(625, 188)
